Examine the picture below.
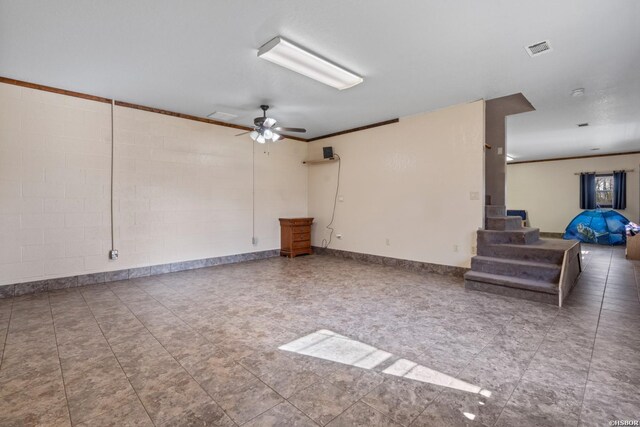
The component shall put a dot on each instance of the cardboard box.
(633, 247)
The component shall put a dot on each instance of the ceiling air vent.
(581, 125)
(538, 48)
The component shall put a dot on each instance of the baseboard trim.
(18, 289)
(418, 266)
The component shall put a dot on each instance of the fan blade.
(285, 129)
(243, 133)
(268, 122)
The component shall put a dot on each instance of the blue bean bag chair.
(604, 227)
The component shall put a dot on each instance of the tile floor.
(202, 348)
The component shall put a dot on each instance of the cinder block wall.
(183, 189)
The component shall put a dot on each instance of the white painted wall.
(408, 182)
(550, 191)
(183, 188)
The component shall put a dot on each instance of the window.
(604, 191)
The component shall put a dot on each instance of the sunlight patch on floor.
(328, 345)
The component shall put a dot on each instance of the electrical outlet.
(113, 254)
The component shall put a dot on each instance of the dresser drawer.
(301, 245)
(300, 237)
(298, 229)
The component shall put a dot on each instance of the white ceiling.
(199, 56)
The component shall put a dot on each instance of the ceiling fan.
(265, 129)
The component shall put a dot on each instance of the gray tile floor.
(202, 348)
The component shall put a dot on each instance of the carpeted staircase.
(512, 260)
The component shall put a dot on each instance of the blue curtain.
(587, 191)
(619, 190)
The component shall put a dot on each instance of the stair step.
(512, 282)
(532, 270)
(503, 223)
(521, 236)
(534, 252)
(495, 210)
(547, 298)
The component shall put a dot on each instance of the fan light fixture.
(577, 92)
(265, 128)
(295, 58)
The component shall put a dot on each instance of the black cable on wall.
(325, 243)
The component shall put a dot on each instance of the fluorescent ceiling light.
(288, 55)
(510, 158)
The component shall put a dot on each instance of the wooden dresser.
(295, 236)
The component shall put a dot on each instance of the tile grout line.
(206, 339)
(231, 357)
(239, 363)
(524, 371)
(285, 401)
(191, 327)
(168, 352)
(595, 337)
(181, 319)
(351, 406)
(385, 415)
(309, 386)
(376, 410)
(458, 373)
(55, 336)
(6, 334)
(116, 357)
(291, 403)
